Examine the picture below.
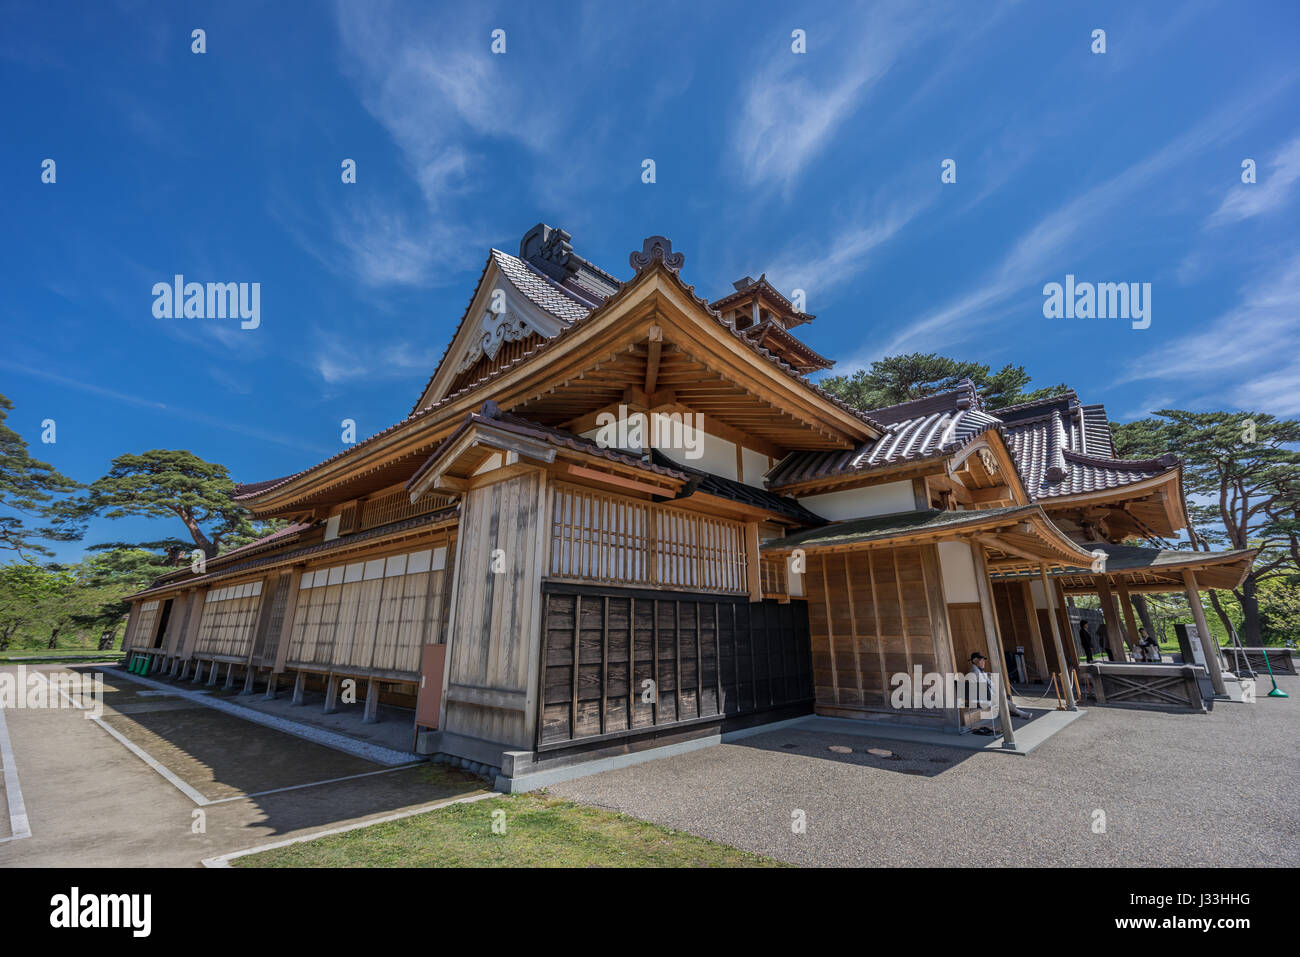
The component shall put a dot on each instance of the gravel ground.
(1176, 789)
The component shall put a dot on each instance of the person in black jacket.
(1085, 638)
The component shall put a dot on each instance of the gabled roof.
(492, 417)
(747, 288)
(793, 350)
(921, 429)
(535, 285)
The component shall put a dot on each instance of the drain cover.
(880, 752)
(840, 749)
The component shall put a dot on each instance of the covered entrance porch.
(897, 598)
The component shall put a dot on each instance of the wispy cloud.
(1075, 227)
(793, 107)
(189, 415)
(820, 266)
(436, 92)
(1259, 333)
(1270, 192)
(338, 360)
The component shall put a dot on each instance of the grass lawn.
(43, 656)
(539, 832)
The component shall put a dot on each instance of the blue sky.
(822, 169)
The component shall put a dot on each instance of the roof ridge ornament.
(656, 248)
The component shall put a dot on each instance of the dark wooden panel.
(707, 656)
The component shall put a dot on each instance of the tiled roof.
(917, 430)
(730, 489)
(544, 292)
(897, 523)
(489, 415)
(336, 544)
(770, 327)
(1060, 446)
(1064, 448)
(252, 489)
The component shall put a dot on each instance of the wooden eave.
(655, 297)
(1156, 503)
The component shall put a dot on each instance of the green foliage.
(896, 379)
(166, 483)
(1242, 476)
(32, 490)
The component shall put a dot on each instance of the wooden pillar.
(1054, 621)
(754, 580)
(272, 680)
(331, 694)
(371, 714)
(1035, 630)
(230, 676)
(994, 643)
(299, 682)
(1113, 634)
(249, 671)
(1067, 629)
(1203, 630)
(1130, 622)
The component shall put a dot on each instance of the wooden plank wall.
(494, 626)
(871, 617)
(709, 655)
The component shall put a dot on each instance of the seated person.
(986, 699)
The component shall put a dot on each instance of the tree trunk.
(1223, 616)
(5, 637)
(1144, 614)
(54, 638)
(1250, 620)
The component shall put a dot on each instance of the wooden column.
(1035, 630)
(1054, 621)
(1113, 634)
(1130, 622)
(754, 573)
(1067, 629)
(994, 643)
(1203, 630)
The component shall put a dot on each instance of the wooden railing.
(609, 539)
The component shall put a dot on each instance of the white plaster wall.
(958, 567)
(1036, 587)
(861, 502)
(755, 464)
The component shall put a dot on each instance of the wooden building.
(619, 515)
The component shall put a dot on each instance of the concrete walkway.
(1171, 789)
(92, 801)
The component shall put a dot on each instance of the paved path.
(92, 801)
(1176, 789)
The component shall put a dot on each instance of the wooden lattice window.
(396, 506)
(229, 620)
(597, 537)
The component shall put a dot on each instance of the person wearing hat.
(985, 696)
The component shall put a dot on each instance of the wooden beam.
(1035, 631)
(1126, 606)
(656, 339)
(1054, 622)
(994, 642)
(618, 481)
(1113, 632)
(1203, 631)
